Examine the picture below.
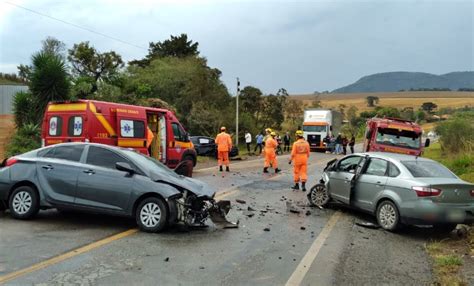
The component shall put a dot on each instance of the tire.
(318, 195)
(444, 227)
(24, 203)
(388, 216)
(189, 158)
(151, 215)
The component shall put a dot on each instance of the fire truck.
(152, 131)
(395, 136)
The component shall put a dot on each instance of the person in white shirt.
(248, 140)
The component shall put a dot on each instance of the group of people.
(260, 142)
(268, 145)
(338, 145)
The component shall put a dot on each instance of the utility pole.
(237, 114)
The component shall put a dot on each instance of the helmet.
(273, 133)
(223, 128)
(269, 130)
(299, 133)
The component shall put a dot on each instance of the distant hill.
(396, 81)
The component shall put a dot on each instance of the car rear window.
(427, 169)
(71, 153)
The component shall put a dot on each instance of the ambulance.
(152, 131)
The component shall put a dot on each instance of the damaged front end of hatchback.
(194, 210)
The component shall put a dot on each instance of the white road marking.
(303, 267)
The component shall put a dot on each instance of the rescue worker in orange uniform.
(300, 155)
(224, 145)
(270, 153)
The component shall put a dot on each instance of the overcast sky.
(302, 46)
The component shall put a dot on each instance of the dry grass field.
(395, 99)
(7, 127)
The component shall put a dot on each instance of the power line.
(76, 26)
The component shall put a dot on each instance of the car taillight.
(11, 161)
(426, 192)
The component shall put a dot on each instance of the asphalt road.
(321, 247)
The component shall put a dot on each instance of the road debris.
(266, 229)
(291, 208)
(240, 201)
(367, 224)
(249, 208)
(303, 228)
(167, 259)
(308, 213)
(249, 213)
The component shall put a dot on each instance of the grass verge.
(453, 257)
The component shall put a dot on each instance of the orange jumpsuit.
(299, 156)
(270, 153)
(224, 145)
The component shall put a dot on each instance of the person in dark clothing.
(352, 143)
(344, 144)
(338, 144)
(286, 141)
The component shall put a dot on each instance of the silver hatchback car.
(397, 189)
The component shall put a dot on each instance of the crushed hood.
(195, 186)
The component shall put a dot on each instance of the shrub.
(25, 139)
(456, 135)
(23, 104)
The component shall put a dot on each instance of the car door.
(370, 184)
(340, 179)
(57, 170)
(100, 184)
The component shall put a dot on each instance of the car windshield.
(399, 138)
(427, 169)
(314, 128)
(149, 163)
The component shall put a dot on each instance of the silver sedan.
(397, 189)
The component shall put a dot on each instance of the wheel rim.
(150, 215)
(387, 216)
(319, 195)
(22, 202)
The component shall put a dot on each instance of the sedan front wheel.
(151, 215)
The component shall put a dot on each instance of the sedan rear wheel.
(24, 203)
(151, 215)
(318, 195)
(387, 216)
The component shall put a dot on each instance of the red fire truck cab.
(395, 136)
(152, 131)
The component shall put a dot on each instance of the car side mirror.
(427, 142)
(122, 166)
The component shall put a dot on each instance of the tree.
(250, 99)
(294, 111)
(316, 102)
(387, 112)
(87, 62)
(54, 46)
(176, 46)
(372, 100)
(407, 113)
(429, 107)
(353, 121)
(49, 81)
(342, 109)
(50, 45)
(183, 83)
